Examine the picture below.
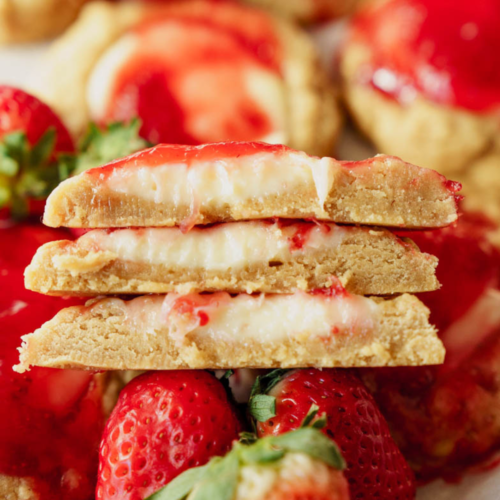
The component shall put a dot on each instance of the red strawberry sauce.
(446, 50)
(177, 93)
(50, 420)
(173, 153)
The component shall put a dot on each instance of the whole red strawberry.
(163, 423)
(31, 135)
(375, 466)
(22, 112)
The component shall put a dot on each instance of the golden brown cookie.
(33, 20)
(172, 185)
(287, 98)
(261, 256)
(168, 332)
(308, 11)
(441, 122)
(16, 488)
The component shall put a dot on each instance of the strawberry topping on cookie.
(447, 51)
(51, 420)
(195, 78)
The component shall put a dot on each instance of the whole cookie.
(32, 20)
(193, 73)
(422, 82)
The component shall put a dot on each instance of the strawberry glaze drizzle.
(51, 420)
(174, 154)
(446, 50)
(215, 47)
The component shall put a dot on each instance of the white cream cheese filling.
(229, 181)
(266, 319)
(219, 248)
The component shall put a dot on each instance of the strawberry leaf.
(311, 442)
(8, 165)
(264, 383)
(100, 146)
(179, 487)
(262, 407)
(43, 149)
(220, 481)
(313, 411)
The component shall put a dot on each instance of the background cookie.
(416, 97)
(289, 88)
(32, 20)
(309, 11)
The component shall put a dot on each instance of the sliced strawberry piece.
(375, 466)
(163, 424)
(51, 420)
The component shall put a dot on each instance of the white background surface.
(19, 65)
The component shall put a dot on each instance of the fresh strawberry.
(375, 466)
(50, 420)
(22, 112)
(299, 465)
(163, 424)
(37, 152)
(31, 135)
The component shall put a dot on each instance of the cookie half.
(260, 256)
(181, 185)
(209, 331)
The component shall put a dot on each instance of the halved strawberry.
(375, 467)
(299, 465)
(163, 424)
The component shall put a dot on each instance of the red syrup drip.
(51, 420)
(446, 50)
(197, 93)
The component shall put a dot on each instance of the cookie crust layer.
(182, 185)
(241, 331)
(235, 257)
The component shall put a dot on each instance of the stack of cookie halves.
(240, 255)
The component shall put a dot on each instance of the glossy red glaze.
(468, 265)
(185, 76)
(446, 50)
(173, 153)
(50, 420)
